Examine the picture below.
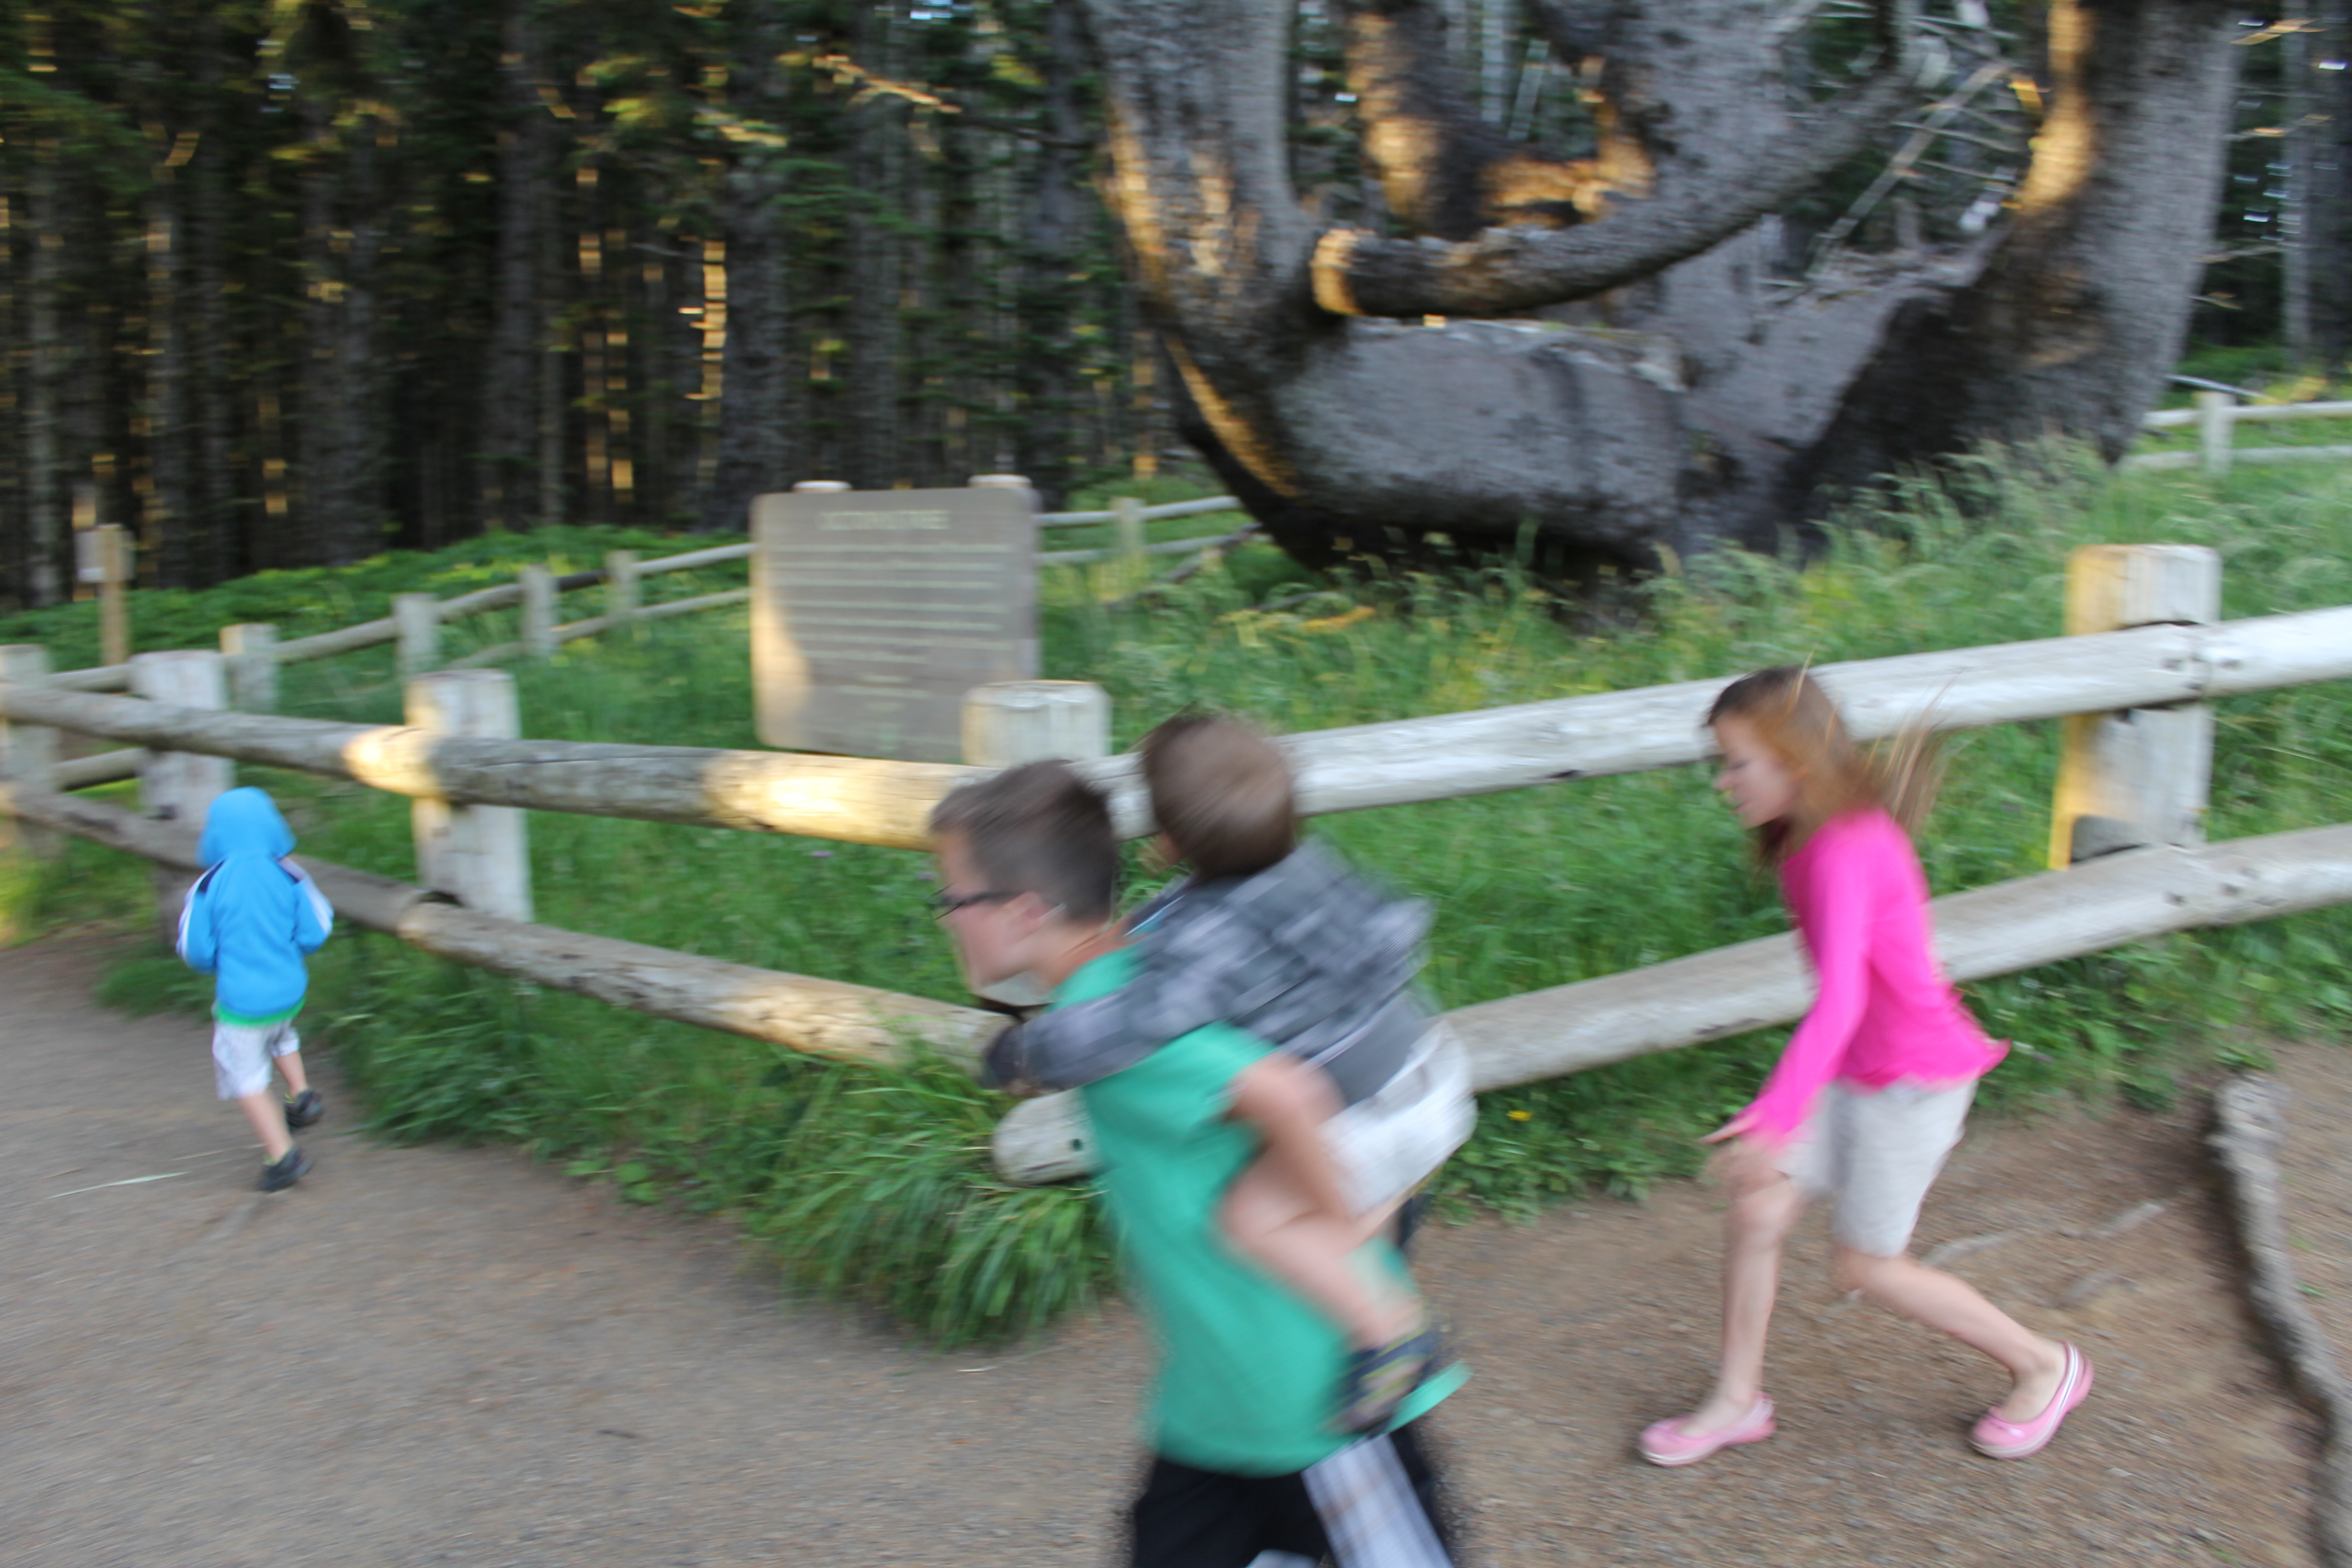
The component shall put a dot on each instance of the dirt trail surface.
(449, 1355)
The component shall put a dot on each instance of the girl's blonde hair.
(1795, 717)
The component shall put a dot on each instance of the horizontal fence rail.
(1149, 513)
(822, 1017)
(1445, 756)
(1980, 933)
(500, 596)
(2249, 413)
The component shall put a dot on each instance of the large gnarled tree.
(1323, 384)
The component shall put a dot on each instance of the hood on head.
(244, 822)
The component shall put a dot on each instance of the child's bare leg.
(265, 1114)
(1270, 1220)
(1758, 1223)
(1953, 1306)
(291, 1064)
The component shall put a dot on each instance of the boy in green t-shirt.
(1243, 1464)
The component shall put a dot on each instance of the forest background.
(288, 282)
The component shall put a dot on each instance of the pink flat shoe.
(1666, 1442)
(1998, 1438)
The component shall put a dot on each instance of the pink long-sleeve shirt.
(1885, 1012)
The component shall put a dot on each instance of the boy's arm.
(314, 918)
(1192, 973)
(1287, 1102)
(198, 947)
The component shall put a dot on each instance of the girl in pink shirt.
(1873, 1089)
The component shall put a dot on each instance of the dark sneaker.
(304, 1109)
(289, 1169)
(1376, 1382)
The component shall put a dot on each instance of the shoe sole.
(1674, 1462)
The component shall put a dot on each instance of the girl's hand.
(1752, 1157)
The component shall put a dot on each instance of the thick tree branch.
(1359, 274)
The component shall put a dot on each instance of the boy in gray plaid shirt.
(1281, 938)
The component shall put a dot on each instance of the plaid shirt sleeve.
(1201, 965)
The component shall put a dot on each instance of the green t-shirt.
(1248, 1369)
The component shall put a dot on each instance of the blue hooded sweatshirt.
(252, 915)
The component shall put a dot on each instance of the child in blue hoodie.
(249, 921)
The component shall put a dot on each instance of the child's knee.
(1863, 1271)
(1765, 1215)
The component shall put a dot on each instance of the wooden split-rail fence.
(2145, 652)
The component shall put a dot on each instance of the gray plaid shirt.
(1307, 955)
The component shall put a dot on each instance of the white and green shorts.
(242, 1054)
(1876, 1152)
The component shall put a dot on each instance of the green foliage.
(874, 1185)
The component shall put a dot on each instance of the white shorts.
(1876, 1152)
(1389, 1145)
(242, 1054)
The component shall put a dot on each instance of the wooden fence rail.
(873, 801)
(825, 1018)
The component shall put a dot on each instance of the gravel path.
(449, 1355)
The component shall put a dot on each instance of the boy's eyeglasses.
(942, 905)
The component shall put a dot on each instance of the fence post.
(252, 666)
(1013, 721)
(478, 855)
(2140, 775)
(416, 619)
(2216, 415)
(180, 786)
(28, 753)
(538, 611)
(114, 567)
(1127, 525)
(622, 591)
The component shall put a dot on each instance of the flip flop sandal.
(1376, 1382)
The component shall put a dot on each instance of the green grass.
(874, 1185)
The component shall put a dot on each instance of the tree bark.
(170, 512)
(877, 160)
(1044, 299)
(44, 497)
(510, 419)
(752, 429)
(1720, 413)
(2079, 315)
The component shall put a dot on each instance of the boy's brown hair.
(1038, 829)
(1222, 793)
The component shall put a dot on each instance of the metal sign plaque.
(872, 612)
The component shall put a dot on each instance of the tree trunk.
(876, 156)
(1720, 414)
(219, 512)
(1042, 364)
(752, 431)
(510, 421)
(44, 498)
(170, 514)
(2327, 234)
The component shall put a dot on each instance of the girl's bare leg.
(1951, 1305)
(1753, 1232)
(1271, 1221)
(291, 1064)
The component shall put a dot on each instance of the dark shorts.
(1371, 1505)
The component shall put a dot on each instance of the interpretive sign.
(872, 612)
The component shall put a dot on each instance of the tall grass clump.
(874, 1185)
